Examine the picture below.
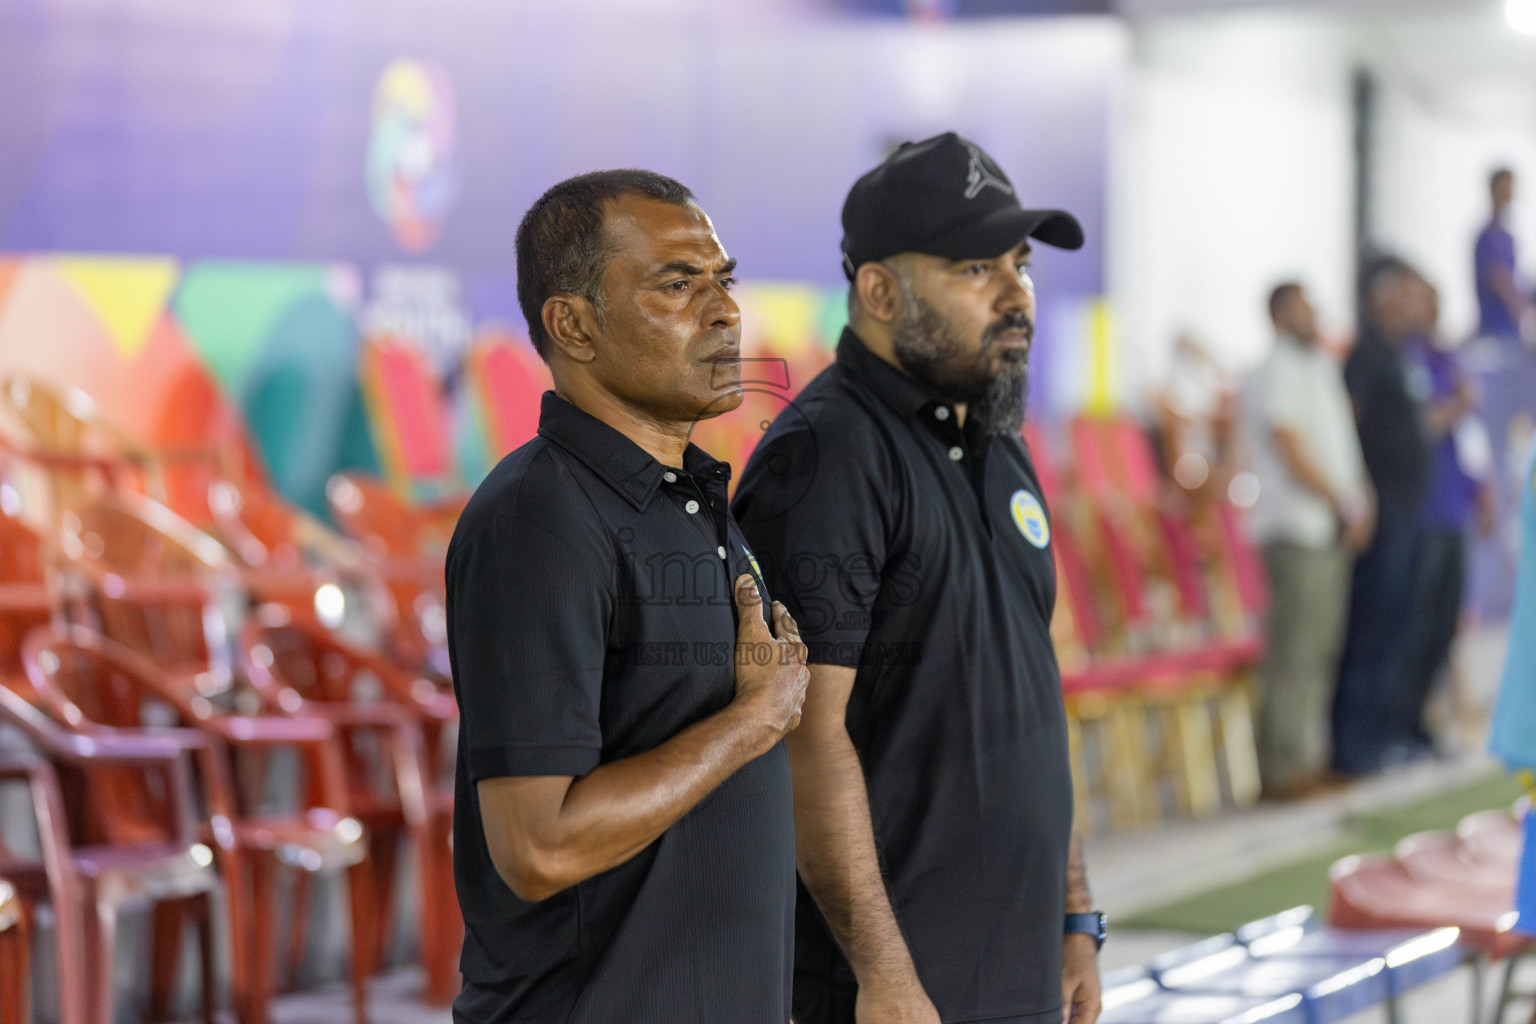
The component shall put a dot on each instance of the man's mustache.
(1010, 322)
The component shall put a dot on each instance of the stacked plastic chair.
(1155, 632)
(96, 686)
(1464, 879)
(158, 602)
(115, 821)
(405, 547)
(409, 422)
(506, 378)
(395, 729)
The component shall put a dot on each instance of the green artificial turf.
(1305, 880)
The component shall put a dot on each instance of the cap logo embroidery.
(977, 177)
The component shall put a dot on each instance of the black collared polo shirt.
(919, 553)
(591, 618)
(1392, 438)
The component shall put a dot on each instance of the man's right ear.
(879, 292)
(569, 321)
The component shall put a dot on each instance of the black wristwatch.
(1095, 924)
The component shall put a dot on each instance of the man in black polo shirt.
(1397, 455)
(895, 509)
(622, 829)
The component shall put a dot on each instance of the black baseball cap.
(945, 197)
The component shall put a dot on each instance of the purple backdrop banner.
(395, 131)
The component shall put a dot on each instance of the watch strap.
(1095, 924)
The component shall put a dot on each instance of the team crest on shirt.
(1029, 517)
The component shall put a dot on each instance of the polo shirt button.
(720, 551)
(669, 476)
(692, 506)
(941, 413)
(956, 453)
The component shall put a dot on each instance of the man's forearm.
(614, 812)
(1299, 461)
(1079, 899)
(835, 852)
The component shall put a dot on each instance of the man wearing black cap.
(895, 509)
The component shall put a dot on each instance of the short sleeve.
(816, 519)
(529, 599)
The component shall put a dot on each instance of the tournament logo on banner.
(413, 159)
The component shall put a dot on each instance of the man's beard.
(928, 347)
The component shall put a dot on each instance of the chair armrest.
(153, 589)
(250, 730)
(345, 716)
(108, 465)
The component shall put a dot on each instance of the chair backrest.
(55, 416)
(388, 758)
(1269, 934)
(26, 598)
(373, 515)
(409, 419)
(508, 380)
(1044, 459)
(79, 686)
(299, 653)
(258, 528)
(60, 421)
(162, 586)
(1178, 968)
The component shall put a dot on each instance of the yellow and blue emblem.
(1029, 517)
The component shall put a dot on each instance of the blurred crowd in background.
(1372, 470)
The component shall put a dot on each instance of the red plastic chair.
(406, 548)
(508, 381)
(1378, 892)
(1493, 836)
(157, 584)
(88, 869)
(1439, 858)
(409, 420)
(27, 598)
(15, 957)
(83, 453)
(287, 556)
(397, 730)
(94, 685)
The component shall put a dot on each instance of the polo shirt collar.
(903, 394)
(618, 461)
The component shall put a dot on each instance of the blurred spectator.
(1504, 309)
(1461, 457)
(1397, 459)
(1313, 513)
(1194, 419)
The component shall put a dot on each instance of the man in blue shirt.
(1504, 311)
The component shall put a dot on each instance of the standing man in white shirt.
(1315, 511)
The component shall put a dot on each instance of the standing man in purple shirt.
(1504, 310)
